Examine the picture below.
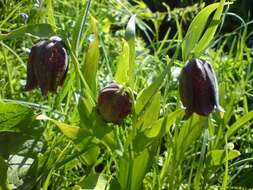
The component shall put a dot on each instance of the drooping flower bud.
(114, 104)
(47, 65)
(198, 88)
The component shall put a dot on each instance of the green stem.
(225, 179)
(83, 81)
(202, 155)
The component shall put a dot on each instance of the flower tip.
(220, 109)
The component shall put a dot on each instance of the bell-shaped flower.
(47, 65)
(198, 88)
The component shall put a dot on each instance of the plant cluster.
(143, 120)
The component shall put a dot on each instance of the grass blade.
(240, 122)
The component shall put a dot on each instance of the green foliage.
(218, 157)
(92, 59)
(198, 36)
(3, 179)
(62, 142)
(122, 72)
(40, 30)
(17, 125)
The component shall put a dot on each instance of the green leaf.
(114, 184)
(209, 33)
(3, 176)
(145, 138)
(145, 147)
(189, 133)
(41, 30)
(130, 172)
(11, 142)
(130, 29)
(218, 157)
(145, 96)
(195, 29)
(69, 131)
(123, 171)
(95, 182)
(86, 91)
(50, 12)
(151, 113)
(192, 42)
(80, 136)
(92, 121)
(11, 15)
(66, 89)
(122, 72)
(130, 37)
(172, 117)
(14, 117)
(90, 156)
(17, 124)
(92, 59)
(239, 123)
(85, 108)
(139, 169)
(92, 127)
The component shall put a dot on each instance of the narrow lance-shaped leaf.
(144, 97)
(193, 43)
(188, 134)
(145, 138)
(69, 131)
(92, 58)
(139, 169)
(151, 113)
(50, 12)
(239, 123)
(86, 91)
(146, 157)
(130, 37)
(123, 171)
(209, 34)
(195, 29)
(123, 72)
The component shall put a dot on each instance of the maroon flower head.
(198, 88)
(47, 65)
(114, 104)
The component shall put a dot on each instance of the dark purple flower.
(47, 65)
(114, 104)
(198, 87)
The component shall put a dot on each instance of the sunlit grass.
(198, 153)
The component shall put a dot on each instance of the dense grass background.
(198, 153)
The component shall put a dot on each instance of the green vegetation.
(60, 141)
